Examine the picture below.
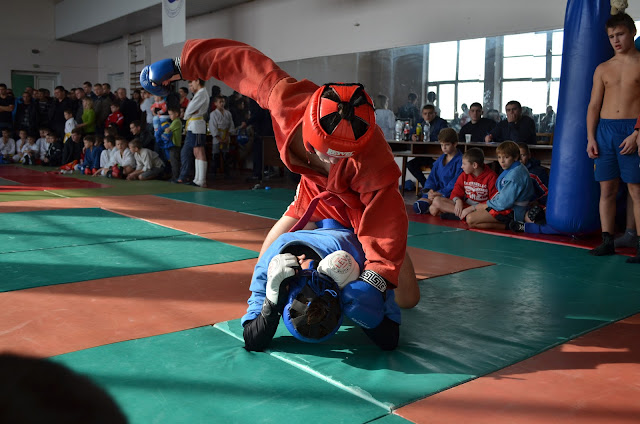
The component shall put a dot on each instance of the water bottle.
(398, 130)
(426, 130)
(407, 131)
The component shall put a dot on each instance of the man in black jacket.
(26, 115)
(56, 111)
(517, 127)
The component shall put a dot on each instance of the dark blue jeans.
(187, 158)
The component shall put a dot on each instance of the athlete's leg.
(482, 219)
(630, 236)
(607, 207)
(408, 291)
(634, 193)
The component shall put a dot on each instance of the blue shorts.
(610, 164)
(196, 140)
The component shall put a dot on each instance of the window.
(557, 38)
(456, 73)
(532, 94)
(470, 92)
(491, 71)
(531, 69)
(443, 61)
(472, 54)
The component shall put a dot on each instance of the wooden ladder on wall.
(138, 56)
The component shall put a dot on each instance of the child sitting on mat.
(53, 157)
(7, 146)
(91, 161)
(106, 157)
(444, 173)
(72, 150)
(20, 143)
(476, 184)
(148, 163)
(30, 151)
(515, 191)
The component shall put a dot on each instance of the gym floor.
(140, 285)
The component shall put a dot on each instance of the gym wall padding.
(572, 206)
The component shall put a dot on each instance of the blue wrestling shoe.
(421, 207)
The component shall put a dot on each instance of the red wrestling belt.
(331, 200)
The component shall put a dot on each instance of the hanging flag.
(173, 22)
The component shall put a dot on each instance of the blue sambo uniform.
(329, 237)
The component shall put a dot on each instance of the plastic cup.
(467, 138)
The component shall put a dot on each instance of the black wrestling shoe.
(449, 216)
(635, 259)
(606, 248)
(516, 226)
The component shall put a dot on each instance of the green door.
(19, 82)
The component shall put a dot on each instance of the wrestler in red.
(326, 134)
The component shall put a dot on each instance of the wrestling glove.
(363, 299)
(282, 266)
(341, 267)
(152, 76)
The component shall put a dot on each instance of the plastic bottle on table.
(426, 131)
(407, 131)
(419, 132)
(399, 130)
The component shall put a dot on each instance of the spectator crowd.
(63, 130)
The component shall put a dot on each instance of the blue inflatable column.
(572, 206)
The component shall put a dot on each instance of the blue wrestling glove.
(152, 76)
(363, 299)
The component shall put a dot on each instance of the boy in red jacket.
(475, 185)
(116, 117)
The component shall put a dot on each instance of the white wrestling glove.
(341, 267)
(281, 266)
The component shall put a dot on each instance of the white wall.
(93, 13)
(283, 29)
(112, 59)
(295, 29)
(29, 25)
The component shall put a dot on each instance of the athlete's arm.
(593, 112)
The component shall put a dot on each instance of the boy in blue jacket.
(339, 257)
(515, 191)
(444, 173)
(91, 162)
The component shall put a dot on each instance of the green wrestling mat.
(4, 182)
(205, 376)
(467, 325)
(547, 258)
(419, 228)
(35, 230)
(125, 188)
(15, 196)
(42, 248)
(266, 203)
(272, 204)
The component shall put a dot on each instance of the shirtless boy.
(611, 117)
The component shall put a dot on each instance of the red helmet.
(339, 120)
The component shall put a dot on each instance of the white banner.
(173, 22)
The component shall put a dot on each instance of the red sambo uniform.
(363, 187)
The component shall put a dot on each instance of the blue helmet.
(314, 311)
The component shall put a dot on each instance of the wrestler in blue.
(311, 278)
